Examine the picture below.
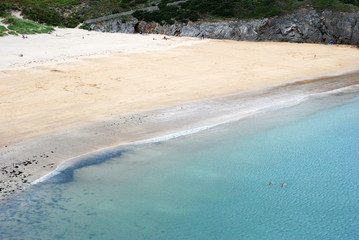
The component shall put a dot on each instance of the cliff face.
(303, 25)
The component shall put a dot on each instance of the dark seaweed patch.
(67, 175)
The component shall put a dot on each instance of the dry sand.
(72, 85)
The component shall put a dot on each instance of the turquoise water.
(212, 185)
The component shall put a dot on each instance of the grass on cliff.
(340, 5)
(3, 31)
(70, 13)
(21, 26)
(194, 10)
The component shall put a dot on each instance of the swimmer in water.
(283, 184)
(270, 183)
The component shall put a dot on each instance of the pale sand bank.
(56, 97)
(69, 45)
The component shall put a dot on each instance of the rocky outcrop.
(305, 25)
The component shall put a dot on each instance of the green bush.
(21, 26)
(167, 14)
(353, 2)
(5, 8)
(324, 3)
(3, 31)
(332, 4)
(140, 1)
(48, 16)
(161, 5)
(13, 33)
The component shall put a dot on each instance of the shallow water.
(212, 185)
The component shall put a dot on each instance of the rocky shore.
(304, 25)
(15, 176)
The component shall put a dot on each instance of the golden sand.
(71, 78)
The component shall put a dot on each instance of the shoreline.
(59, 111)
(107, 152)
(163, 124)
(101, 96)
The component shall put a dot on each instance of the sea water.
(211, 185)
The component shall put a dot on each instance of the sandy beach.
(72, 92)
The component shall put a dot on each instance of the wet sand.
(82, 97)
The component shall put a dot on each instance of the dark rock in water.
(304, 25)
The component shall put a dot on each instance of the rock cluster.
(304, 25)
(14, 177)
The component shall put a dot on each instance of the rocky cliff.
(305, 25)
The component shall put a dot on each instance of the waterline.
(233, 108)
(212, 184)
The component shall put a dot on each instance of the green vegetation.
(19, 26)
(70, 13)
(3, 31)
(340, 5)
(193, 10)
(167, 14)
(5, 9)
(26, 27)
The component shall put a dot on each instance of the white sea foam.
(216, 177)
(260, 106)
